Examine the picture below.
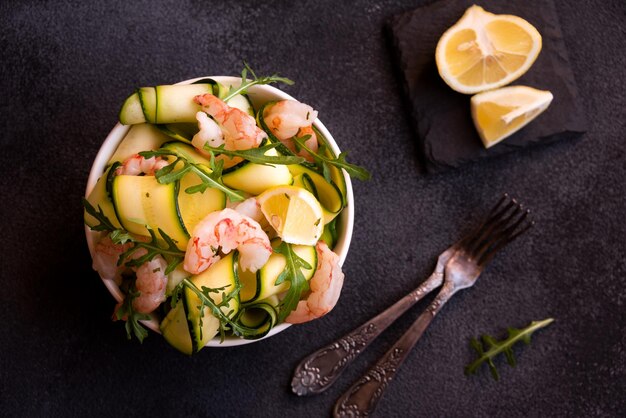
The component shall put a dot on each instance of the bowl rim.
(117, 134)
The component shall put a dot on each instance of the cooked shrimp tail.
(105, 259)
(209, 134)
(287, 119)
(227, 230)
(325, 287)
(151, 283)
(239, 128)
(136, 165)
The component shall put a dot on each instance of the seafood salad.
(218, 218)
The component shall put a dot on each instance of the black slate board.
(441, 116)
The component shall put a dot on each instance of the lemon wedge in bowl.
(499, 113)
(483, 51)
(294, 213)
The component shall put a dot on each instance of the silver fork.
(462, 263)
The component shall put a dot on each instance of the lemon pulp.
(499, 113)
(294, 213)
(484, 51)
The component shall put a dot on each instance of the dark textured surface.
(65, 68)
(442, 117)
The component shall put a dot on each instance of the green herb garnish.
(494, 347)
(257, 155)
(245, 83)
(209, 176)
(339, 162)
(127, 313)
(105, 224)
(293, 274)
(207, 301)
(171, 254)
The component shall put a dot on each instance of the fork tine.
(495, 223)
(502, 237)
(501, 229)
(477, 235)
(509, 236)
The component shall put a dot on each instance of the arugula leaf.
(245, 83)
(211, 177)
(225, 302)
(207, 301)
(340, 162)
(171, 254)
(293, 274)
(257, 155)
(127, 313)
(105, 224)
(494, 347)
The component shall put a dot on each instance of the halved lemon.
(294, 213)
(501, 112)
(483, 51)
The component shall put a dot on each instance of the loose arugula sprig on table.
(209, 178)
(293, 274)
(339, 162)
(245, 83)
(505, 346)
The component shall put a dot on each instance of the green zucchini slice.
(223, 276)
(260, 316)
(141, 202)
(173, 104)
(175, 329)
(256, 178)
(262, 285)
(327, 194)
(140, 137)
(100, 197)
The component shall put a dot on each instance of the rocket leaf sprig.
(490, 348)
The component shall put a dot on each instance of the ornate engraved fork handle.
(319, 370)
(362, 397)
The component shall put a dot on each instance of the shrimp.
(289, 118)
(136, 164)
(105, 259)
(210, 133)
(151, 280)
(325, 287)
(227, 230)
(239, 128)
(251, 208)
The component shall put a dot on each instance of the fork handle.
(363, 396)
(319, 370)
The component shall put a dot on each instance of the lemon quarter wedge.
(501, 112)
(294, 213)
(483, 51)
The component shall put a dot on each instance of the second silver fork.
(462, 262)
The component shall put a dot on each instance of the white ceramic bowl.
(258, 95)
